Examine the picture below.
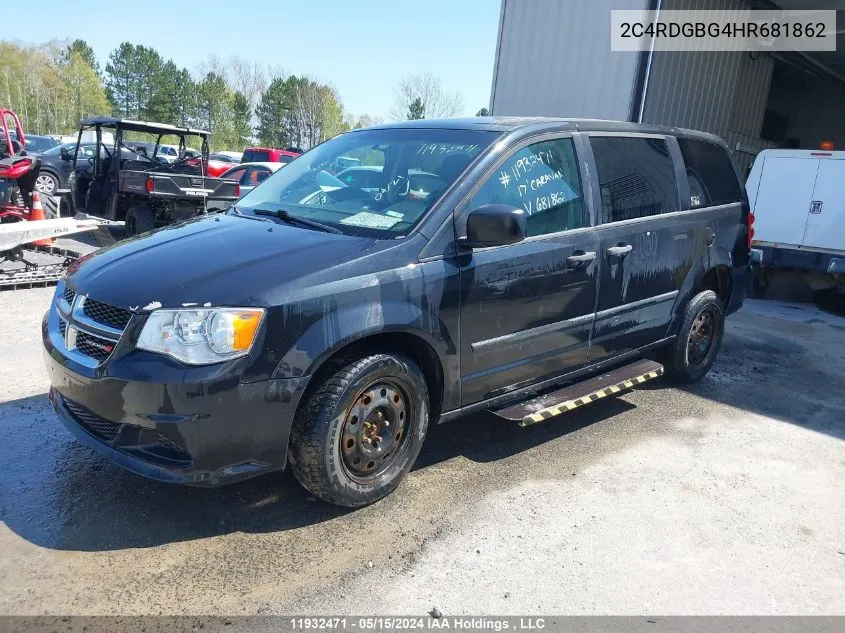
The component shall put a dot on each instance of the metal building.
(554, 58)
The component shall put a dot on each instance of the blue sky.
(362, 47)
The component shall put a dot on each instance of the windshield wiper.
(283, 215)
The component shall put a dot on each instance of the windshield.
(40, 143)
(400, 174)
(55, 151)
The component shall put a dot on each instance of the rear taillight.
(149, 185)
(237, 191)
(750, 231)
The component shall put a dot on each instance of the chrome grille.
(93, 423)
(86, 330)
(112, 316)
(94, 346)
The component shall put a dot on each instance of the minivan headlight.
(201, 336)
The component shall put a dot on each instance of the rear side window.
(711, 176)
(636, 176)
(256, 156)
(235, 174)
(257, 175)
(361, 178)
(543, 180)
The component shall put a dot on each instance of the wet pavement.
(723, 497)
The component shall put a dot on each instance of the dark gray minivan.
(544, 264)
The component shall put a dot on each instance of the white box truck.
(798, 201)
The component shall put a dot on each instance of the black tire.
(139, 219)
(326, 432)
(686, 359)
(51, 206)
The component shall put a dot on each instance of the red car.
(213, 167)
(217, 167)
(270, 155)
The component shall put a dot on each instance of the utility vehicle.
(124, 182)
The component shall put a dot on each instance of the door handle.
(618, 251)
(580, 258)
(816, 206)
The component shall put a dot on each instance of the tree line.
(53, 86)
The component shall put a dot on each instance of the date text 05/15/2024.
(459, 623)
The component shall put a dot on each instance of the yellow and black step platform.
(577, 395)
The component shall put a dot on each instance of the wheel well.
(718, 280)
(402, 343)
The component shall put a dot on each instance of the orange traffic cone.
(38, 214)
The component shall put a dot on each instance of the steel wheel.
(701, 337)
(375, 430)
(45, 183)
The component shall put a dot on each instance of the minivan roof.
(541, 124)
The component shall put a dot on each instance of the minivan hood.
(217, 259)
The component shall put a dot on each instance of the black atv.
(132, 181)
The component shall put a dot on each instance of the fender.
(716, 256)
(338, 328)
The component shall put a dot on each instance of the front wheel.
(694, 350)
(361, 429)
(46, 183)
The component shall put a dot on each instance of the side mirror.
(65, 154)
(494, 225)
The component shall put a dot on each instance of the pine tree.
(416, 110)
(241, 121)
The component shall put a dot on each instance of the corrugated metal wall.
(554, 59)
(722, 93)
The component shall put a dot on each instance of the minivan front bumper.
(202, 433)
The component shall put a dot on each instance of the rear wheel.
(139, 219)
(694, 350)
(361, 430)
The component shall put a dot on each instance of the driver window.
(543, 180)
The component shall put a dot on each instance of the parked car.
(221, 162)
(799, 206)
(36, 144)
(56, 167)
(226, 157)
(250, 175)
(170, 153)
(556, 260)
(268, 155)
